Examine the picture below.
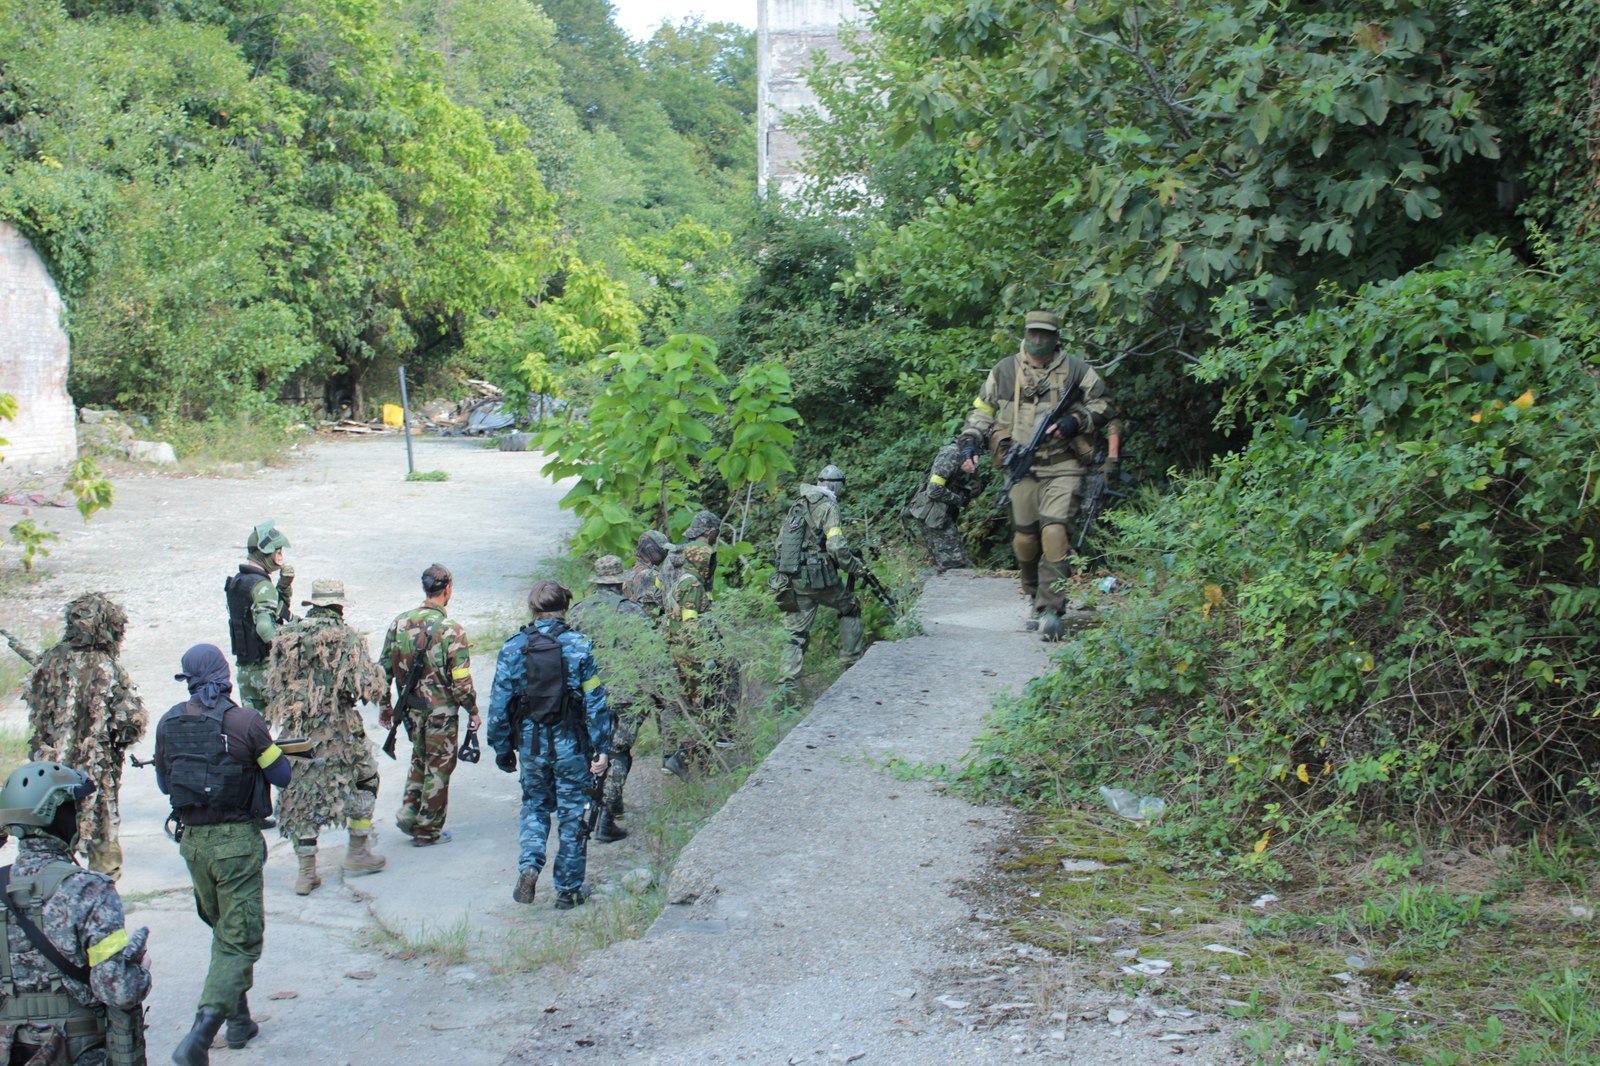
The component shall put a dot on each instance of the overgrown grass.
(263, 436)
(428, 475)
(13, 748)
(449, 945)
(1444, 955)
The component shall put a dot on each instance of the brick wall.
(33, 361)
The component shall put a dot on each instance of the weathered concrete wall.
(787, 33)
(33, 360)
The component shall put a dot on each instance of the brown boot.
(359, 858)
(308, 878)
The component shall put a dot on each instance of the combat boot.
(308, 878)
(241, 1027)
(1050, 628)
(608, 830)
(359, 858)
(527, 881)
(195, 1048)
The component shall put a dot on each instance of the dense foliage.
(1383, 603)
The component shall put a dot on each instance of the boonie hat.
(325, 593)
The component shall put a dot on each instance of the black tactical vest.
(202, 775)
(248, 647)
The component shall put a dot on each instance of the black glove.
(968, 449)
(1068, 426)
(507, 762)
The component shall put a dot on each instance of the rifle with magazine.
(1018, 462)
(408, 691)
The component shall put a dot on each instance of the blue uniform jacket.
(582, 677)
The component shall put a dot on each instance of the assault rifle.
(590, 816)
(25, 653)
(407, 692)
(1096, 490)
(875, 585)
(1018, 462)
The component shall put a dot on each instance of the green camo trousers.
(433, 760)
(225, 866)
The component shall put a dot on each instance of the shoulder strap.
(36, 936)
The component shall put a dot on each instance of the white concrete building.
(787, 33)
(33, 361)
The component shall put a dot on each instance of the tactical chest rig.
(78, 1027)
(205, 775)
(248, 647)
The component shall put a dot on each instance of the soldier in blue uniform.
(559, 760)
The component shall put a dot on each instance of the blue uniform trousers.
(555, 781)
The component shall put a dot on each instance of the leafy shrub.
(1383, 604)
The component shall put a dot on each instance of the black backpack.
(544, 697)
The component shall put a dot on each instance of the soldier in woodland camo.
(932, 511)
(433, 721)
(643, 584)
(85, 712)
(319, 671)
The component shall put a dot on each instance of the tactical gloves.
(507, 762)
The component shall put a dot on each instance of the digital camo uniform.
(444, 687)
(935, 506)
(643, 584)
(553, 760)
(811, 551)
(79, 913)
(627, 715)
(319, 672)
(85, 712)
(256, 607)
(1016, 395)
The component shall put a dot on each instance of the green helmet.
(265, 539)
(831, 473)
(34, 793)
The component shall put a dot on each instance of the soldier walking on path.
(1019, 392)
(74, 976)
(257, 607)
(318, 673)
(548, 713)
(426, 637)
(811, 551)
(606, 612)
(215, 759)
(936, 505)
(85, 712)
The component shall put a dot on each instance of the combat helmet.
(264, 542)
(832, 479)
(95, 620)
(34, 795)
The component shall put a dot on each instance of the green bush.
(1382, 607)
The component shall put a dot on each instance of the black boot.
(608, 830)
(195, 1048)
(241, 1027)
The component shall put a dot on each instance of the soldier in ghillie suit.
(643, 584)
(597, 611)
(432, 719)
(318, 673)
(257, 607)
(811, 552)
(74, 976)
(85, 711)
(932, 511)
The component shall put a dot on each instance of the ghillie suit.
(85, 712)
(318, 672)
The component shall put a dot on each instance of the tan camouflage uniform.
(318, 673)
(85, 712)
(446, 688)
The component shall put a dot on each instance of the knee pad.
(1055, 541)
(1025, 545)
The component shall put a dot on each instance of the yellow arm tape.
(270, 756)
(690, 616)
(936, 480)
(591, 684)
(459, 672)
(986, 408)
(108, 947)
(835, 532)
(360, 825)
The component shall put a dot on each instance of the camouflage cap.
(704, 522)
(697, 555)
(1045, 320)
(608, 570)
(325, 592)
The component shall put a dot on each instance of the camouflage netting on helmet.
(95, 621)
(318, 673)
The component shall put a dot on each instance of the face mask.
(1039, 347)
